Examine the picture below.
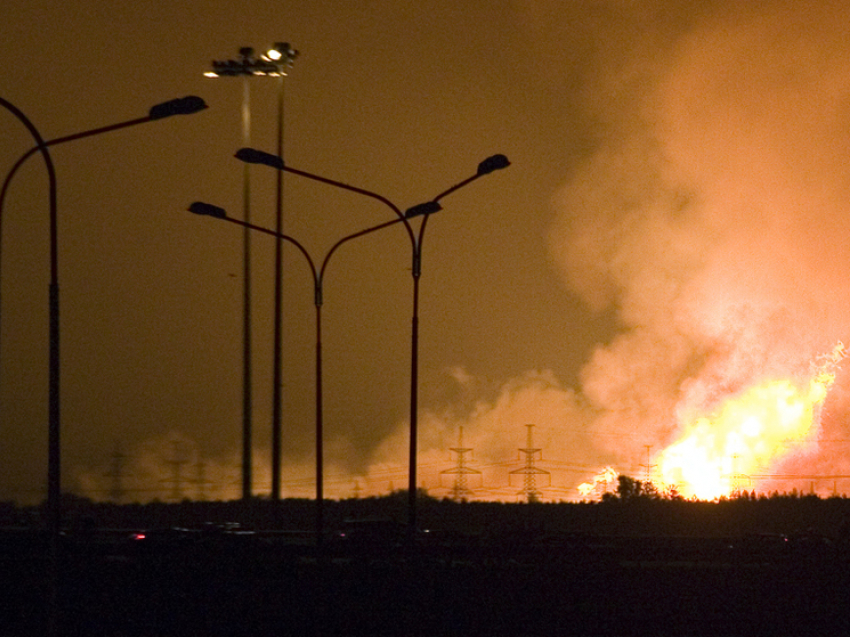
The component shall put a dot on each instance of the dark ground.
(510, 570)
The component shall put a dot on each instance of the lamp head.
(426, 208)
(254, 156)
(495, 162)
(207, 209)
(282, 52)
(181, 106)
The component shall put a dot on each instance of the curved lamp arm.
(181, 106)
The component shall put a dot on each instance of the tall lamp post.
(492, 163)
(318, 274)
(181, 106)
(274, 63)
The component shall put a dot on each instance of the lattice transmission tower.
(201, 481)
(116, 475)
(177, 461)
(460, 489)
(529, 471)
(648, 468)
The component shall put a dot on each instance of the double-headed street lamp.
(493, 163)
(274, 63)
(181, 106)
(318, 274)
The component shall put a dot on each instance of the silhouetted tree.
(629, 488)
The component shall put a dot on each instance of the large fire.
(604, 479)
(747, 433)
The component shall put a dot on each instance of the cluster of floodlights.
(273, 62)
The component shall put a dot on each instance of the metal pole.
(271, 64)
(414, 393)
(277, 389)
(54, 511)
(320, 492)
(247, 466)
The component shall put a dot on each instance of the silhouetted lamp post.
(274, 63)
(181, 106)
(318, 274)
(489, 165)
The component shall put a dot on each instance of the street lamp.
(181, 106)
(202, 208)
(489, 165)
(274, 63)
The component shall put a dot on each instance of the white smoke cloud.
(713, 218)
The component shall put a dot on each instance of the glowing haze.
(714, 222)
(709, 216)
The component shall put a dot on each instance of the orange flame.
(604, 478)
(751, 430)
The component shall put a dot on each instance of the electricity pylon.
(116, 472)
(177, 461)
(648, 467)
(529, 485)
(460, 490)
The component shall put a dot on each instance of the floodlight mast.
(274, 63)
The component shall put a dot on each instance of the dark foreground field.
(556, 585)
(636, 566)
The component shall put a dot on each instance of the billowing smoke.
(710, 214)
(713, 217)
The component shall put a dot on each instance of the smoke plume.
(713, 217)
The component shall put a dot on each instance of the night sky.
(671, 229)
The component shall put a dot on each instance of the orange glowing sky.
(668, 236)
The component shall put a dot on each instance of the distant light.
(282, 50)
(271, 64)
(426, 208)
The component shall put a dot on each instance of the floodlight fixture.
(282, 52)
(272, 64)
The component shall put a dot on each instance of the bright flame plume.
(604, 478)
(751, 430)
